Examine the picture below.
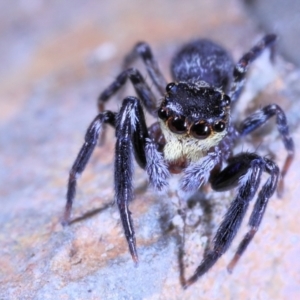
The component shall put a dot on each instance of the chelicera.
(194, 135)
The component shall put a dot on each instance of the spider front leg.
(132, 137)
(241, 68)
(259, 118)
(245, 171)
(83, 157)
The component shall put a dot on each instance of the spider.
(194, 135)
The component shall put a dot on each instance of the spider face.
(194, 136)
(194, 117)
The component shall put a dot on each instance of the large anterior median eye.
(177, 124)
(200, 130)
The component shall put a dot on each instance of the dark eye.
(219, 126)
(162, 113)
(169, 86)
(227, 100)
(177, 124)
(200, 130)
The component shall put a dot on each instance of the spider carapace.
(194, 135)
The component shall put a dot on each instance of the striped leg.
(143, 50)
(259, 118)
(83, 157)
(241, 68)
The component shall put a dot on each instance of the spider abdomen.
(203, 60)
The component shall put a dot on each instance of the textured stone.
(282, 18)
(56, 60)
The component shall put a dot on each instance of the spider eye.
(177, 124)
(200, 130)
(219, 126)
(169, 86)
(162, 113)
(227, 100)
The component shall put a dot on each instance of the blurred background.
(56, 57)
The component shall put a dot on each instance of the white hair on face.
(192, 149)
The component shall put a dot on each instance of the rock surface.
(281, 17)
(56, 59)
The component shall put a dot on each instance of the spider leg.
(83, 157)
(249, 168)
(197, 174)
(132, 137)
(259, 118)
(241, 68)
(156, 167)
(143, 50)
(259, 210)
(142, 89)
(124, 171)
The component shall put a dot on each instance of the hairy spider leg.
(241, 68)
(83, 157)
(132, 136)
(259, 118)
(197, 174)
(126, 123)
(143, 50)
(259, 210)
(245, 171)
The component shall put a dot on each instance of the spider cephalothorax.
(194, 136)
(194, 117)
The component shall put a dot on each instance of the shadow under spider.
(91, 213)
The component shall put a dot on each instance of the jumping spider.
(194, 135)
